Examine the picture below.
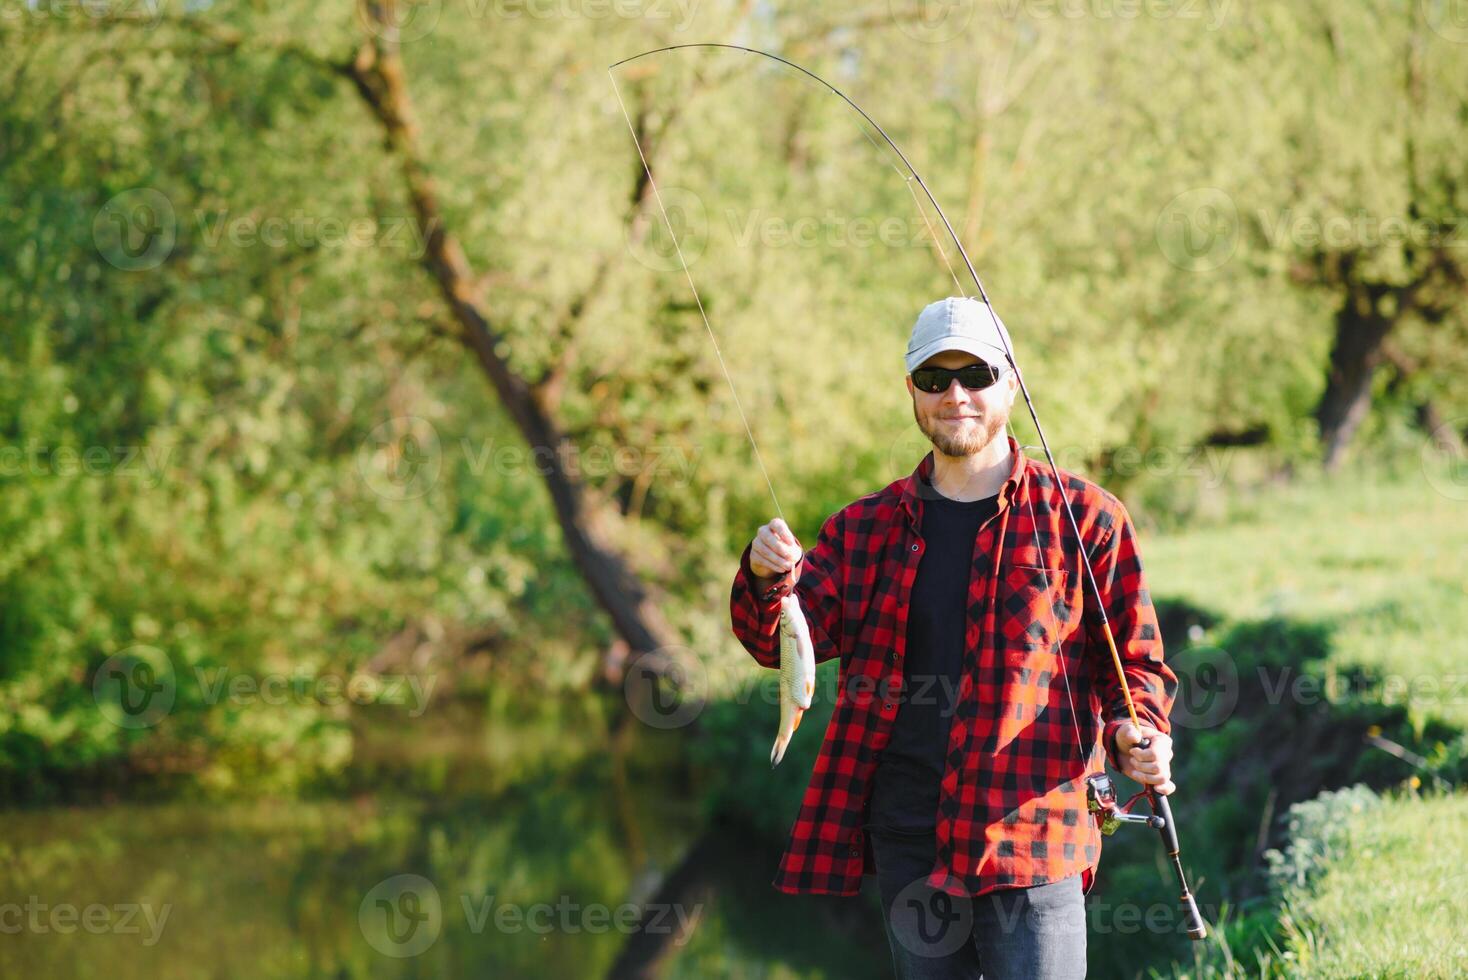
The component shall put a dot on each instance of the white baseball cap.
(958, 323)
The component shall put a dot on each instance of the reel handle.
(1167, 829)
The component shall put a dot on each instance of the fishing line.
(678, 248)
(1197, 927)
(908, 178)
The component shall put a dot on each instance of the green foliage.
(191, 487)
(1337, 616)
(1358, 894)
(188, 434)
(1377, 557)
(1319, 834)
(247, 344)
(731, 754)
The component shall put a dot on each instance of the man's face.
(959, 422)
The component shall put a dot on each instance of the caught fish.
(797, 673)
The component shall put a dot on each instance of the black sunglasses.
(974, 377)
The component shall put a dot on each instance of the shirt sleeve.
(754, 602)
(1133, 621)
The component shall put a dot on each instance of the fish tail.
(789, 721)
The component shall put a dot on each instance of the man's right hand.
(774, 550)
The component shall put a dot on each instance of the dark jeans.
(1038, 933)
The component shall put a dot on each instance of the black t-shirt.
(909, 771)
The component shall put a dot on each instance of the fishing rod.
(1100, 795)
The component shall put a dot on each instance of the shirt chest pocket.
(1035, 608)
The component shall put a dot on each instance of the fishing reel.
(1101, 803)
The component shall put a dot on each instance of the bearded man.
(976, 693)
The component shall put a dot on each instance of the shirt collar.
(911, 485)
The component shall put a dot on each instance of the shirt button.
(914, 547)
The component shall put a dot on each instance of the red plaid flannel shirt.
(1012, 806)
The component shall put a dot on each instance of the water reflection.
(471, 842)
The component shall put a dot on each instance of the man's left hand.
(1152, 766)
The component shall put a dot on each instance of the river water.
(480, 840)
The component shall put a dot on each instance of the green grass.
(1383, 561)
(1395, 900)
(1367, 887)
(1362, 576)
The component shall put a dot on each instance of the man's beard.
(965, 440)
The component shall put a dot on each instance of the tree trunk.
(377, 72)
(1445, 437)
(690, 885)
(1360, 328)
